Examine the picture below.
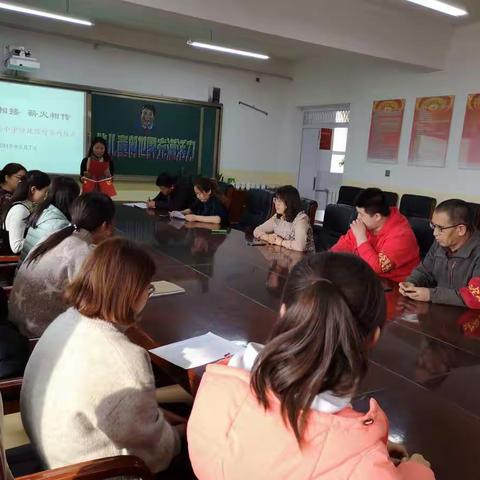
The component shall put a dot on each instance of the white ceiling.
(164, 28)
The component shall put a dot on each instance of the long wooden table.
(424, 372)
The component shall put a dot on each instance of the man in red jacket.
(381, 236)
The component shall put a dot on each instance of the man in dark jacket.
(450, 273)
(173, 195)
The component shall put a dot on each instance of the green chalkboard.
(146, 136)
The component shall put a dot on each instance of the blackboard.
(147, 136)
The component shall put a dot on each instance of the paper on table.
(163, 287)
(176, 214)
(136, 204)
(197, 351)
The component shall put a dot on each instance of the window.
(339, 148)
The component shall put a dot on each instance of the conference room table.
(424, 372)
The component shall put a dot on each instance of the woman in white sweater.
(290, 226)
(36, 298)
(31, 191)
(88, 392)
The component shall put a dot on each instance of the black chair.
(475, 209)
(259, 207)
(417, 206)
(347, 195)
(336, 223)
(310, 208)
(226, 189)
(392, 198)
(423, 233)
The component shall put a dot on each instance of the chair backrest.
(226, 189)
(417, 206)
(347, 195)
(338, 218)
(475, 208)
(310, 208)
(392, 198)
(259, 208)
(423, 233)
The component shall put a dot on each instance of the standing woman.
(52, 214)
(10, 176)
(30, 191)
(96, 170)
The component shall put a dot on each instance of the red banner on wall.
(326, 138)
(385, 130)
(470, 145)
(431, 131)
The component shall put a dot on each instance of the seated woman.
(52, 214)
(173, 195)
(208, 207)
(283, 410)
(290, 226)
(88, 392)
(10, 176)
(30, 191)
(37, 294)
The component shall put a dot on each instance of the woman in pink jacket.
(283, 411)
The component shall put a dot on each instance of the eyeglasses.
(151, 290)
(433, 226)
(19, 177)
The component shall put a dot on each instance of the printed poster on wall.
(385, 130)
(470, 145)
(430, 131)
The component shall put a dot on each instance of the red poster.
(326, 138)
(385, 130)
(430, 131)
(470, 146)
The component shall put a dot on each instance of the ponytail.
(51, 242)
(89, 211)
(333, 303)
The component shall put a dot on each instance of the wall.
(254, 148)
(360, 80)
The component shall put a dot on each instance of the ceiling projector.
(20, 59)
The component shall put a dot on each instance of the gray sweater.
(445, 273)
(37, 293)
(88, 392)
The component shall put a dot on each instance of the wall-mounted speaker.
(215, 97)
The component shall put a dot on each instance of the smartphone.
(256, 243)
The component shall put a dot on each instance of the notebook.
(166, 288)
(176, 214)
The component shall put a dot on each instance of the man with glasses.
(381, 236)
(450, 273)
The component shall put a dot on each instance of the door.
(324, 142)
